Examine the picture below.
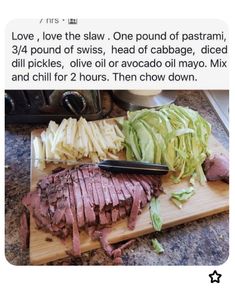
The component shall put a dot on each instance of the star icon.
(215, 277)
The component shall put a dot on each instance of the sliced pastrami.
(103, 218)
(51, 192)
(87, 197)
(117, 261)
(64, 232)
(146, 186)
(76, 240)
(99, 188)
(68, 212)
(31, 198)
(109, 217)
(118, 189)
(102, 236)
(72, 199)
(60, 211)
(122, 212)
(147, 179)
(105, 187)
(69, 216)
(115, 214)
(45, 182)
(137, 196)
(119, 251)
(128, 208)
(156, 182)
(36, 202)
(90, 230)
(112, 191)
(36, 211)
(126, 193)
(128, 183)
(135, 182)
(44, 208)
(61, 203)
(76, 237)
(93, 186)
(78, 199)
(51, 210)
(87, 181)
(90, 217)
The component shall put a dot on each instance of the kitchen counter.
(202, 242)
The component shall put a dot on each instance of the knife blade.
(122, 166)
(126, 166)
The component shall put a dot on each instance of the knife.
(126, 166)
(122, 166)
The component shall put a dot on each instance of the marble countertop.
(202, 242)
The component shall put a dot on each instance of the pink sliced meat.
(102, 236)
(90, 217)
(88, 198)
(146, 186)
(76, 240)
(118, 189)
(103, 218)
(61, 202)
(112, 192)
(31, 198)
(99, 188)
(137, 196)
(44, 209)
(122, 212)
(136, 182)
(59, 213)
(156, 182)
(128, 208)
(105, 187)
(78, 199)
(129, 185)
(118, 251)
(76, 237)
(87, 181)
(126, 193)
(68, 212)
(109, 217)
(93, 186)
(115, 214)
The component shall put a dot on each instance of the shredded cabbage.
(157, 246)
(180, 197)
(155, 214)
(174, 135)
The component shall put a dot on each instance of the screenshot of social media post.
(117, 142)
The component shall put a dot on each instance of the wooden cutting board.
(208, 200)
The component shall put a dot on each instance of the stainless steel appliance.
(137, 99)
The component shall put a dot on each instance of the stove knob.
(9, 104)
(74, 102)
